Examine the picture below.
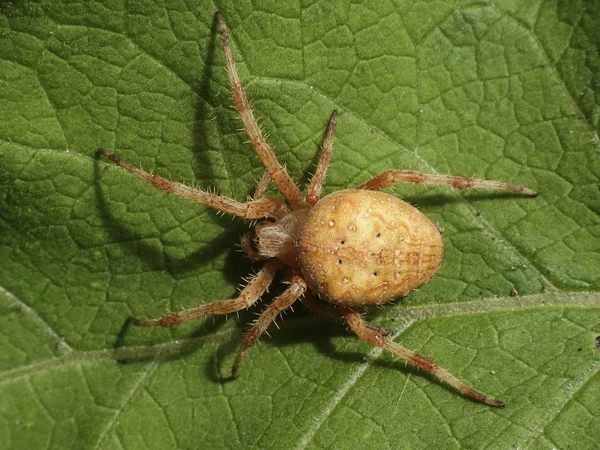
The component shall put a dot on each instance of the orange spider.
(353, 248)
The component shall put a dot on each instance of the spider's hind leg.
(379, 337)
(390, 177)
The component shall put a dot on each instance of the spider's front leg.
(277, 172)
(295, 290)
(255, 288)
(253, 209)
(378, 337)
(389, 177)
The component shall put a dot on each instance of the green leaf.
(496, 90)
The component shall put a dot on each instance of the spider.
(352, 248)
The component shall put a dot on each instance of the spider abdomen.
(360, 247)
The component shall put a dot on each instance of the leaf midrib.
(411, 314)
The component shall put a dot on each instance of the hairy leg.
(246, 246)
(246, 242)
(378, 337)
(255, 209)
(316, 183)
(290, 295)
(320, 307)
(387, 178)
(278, 173)
(255, 288)
(261, 186)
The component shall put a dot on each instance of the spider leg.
(278, 173)
(389, 177)
(246, 246)
(246, 242)
(261, 186)
(290, 295)
(377, 336)
(316, 183)
(322, 308)
(255, 288)
(254, 209)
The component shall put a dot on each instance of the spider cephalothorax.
(352, 248)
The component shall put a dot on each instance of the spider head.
(277, 239)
